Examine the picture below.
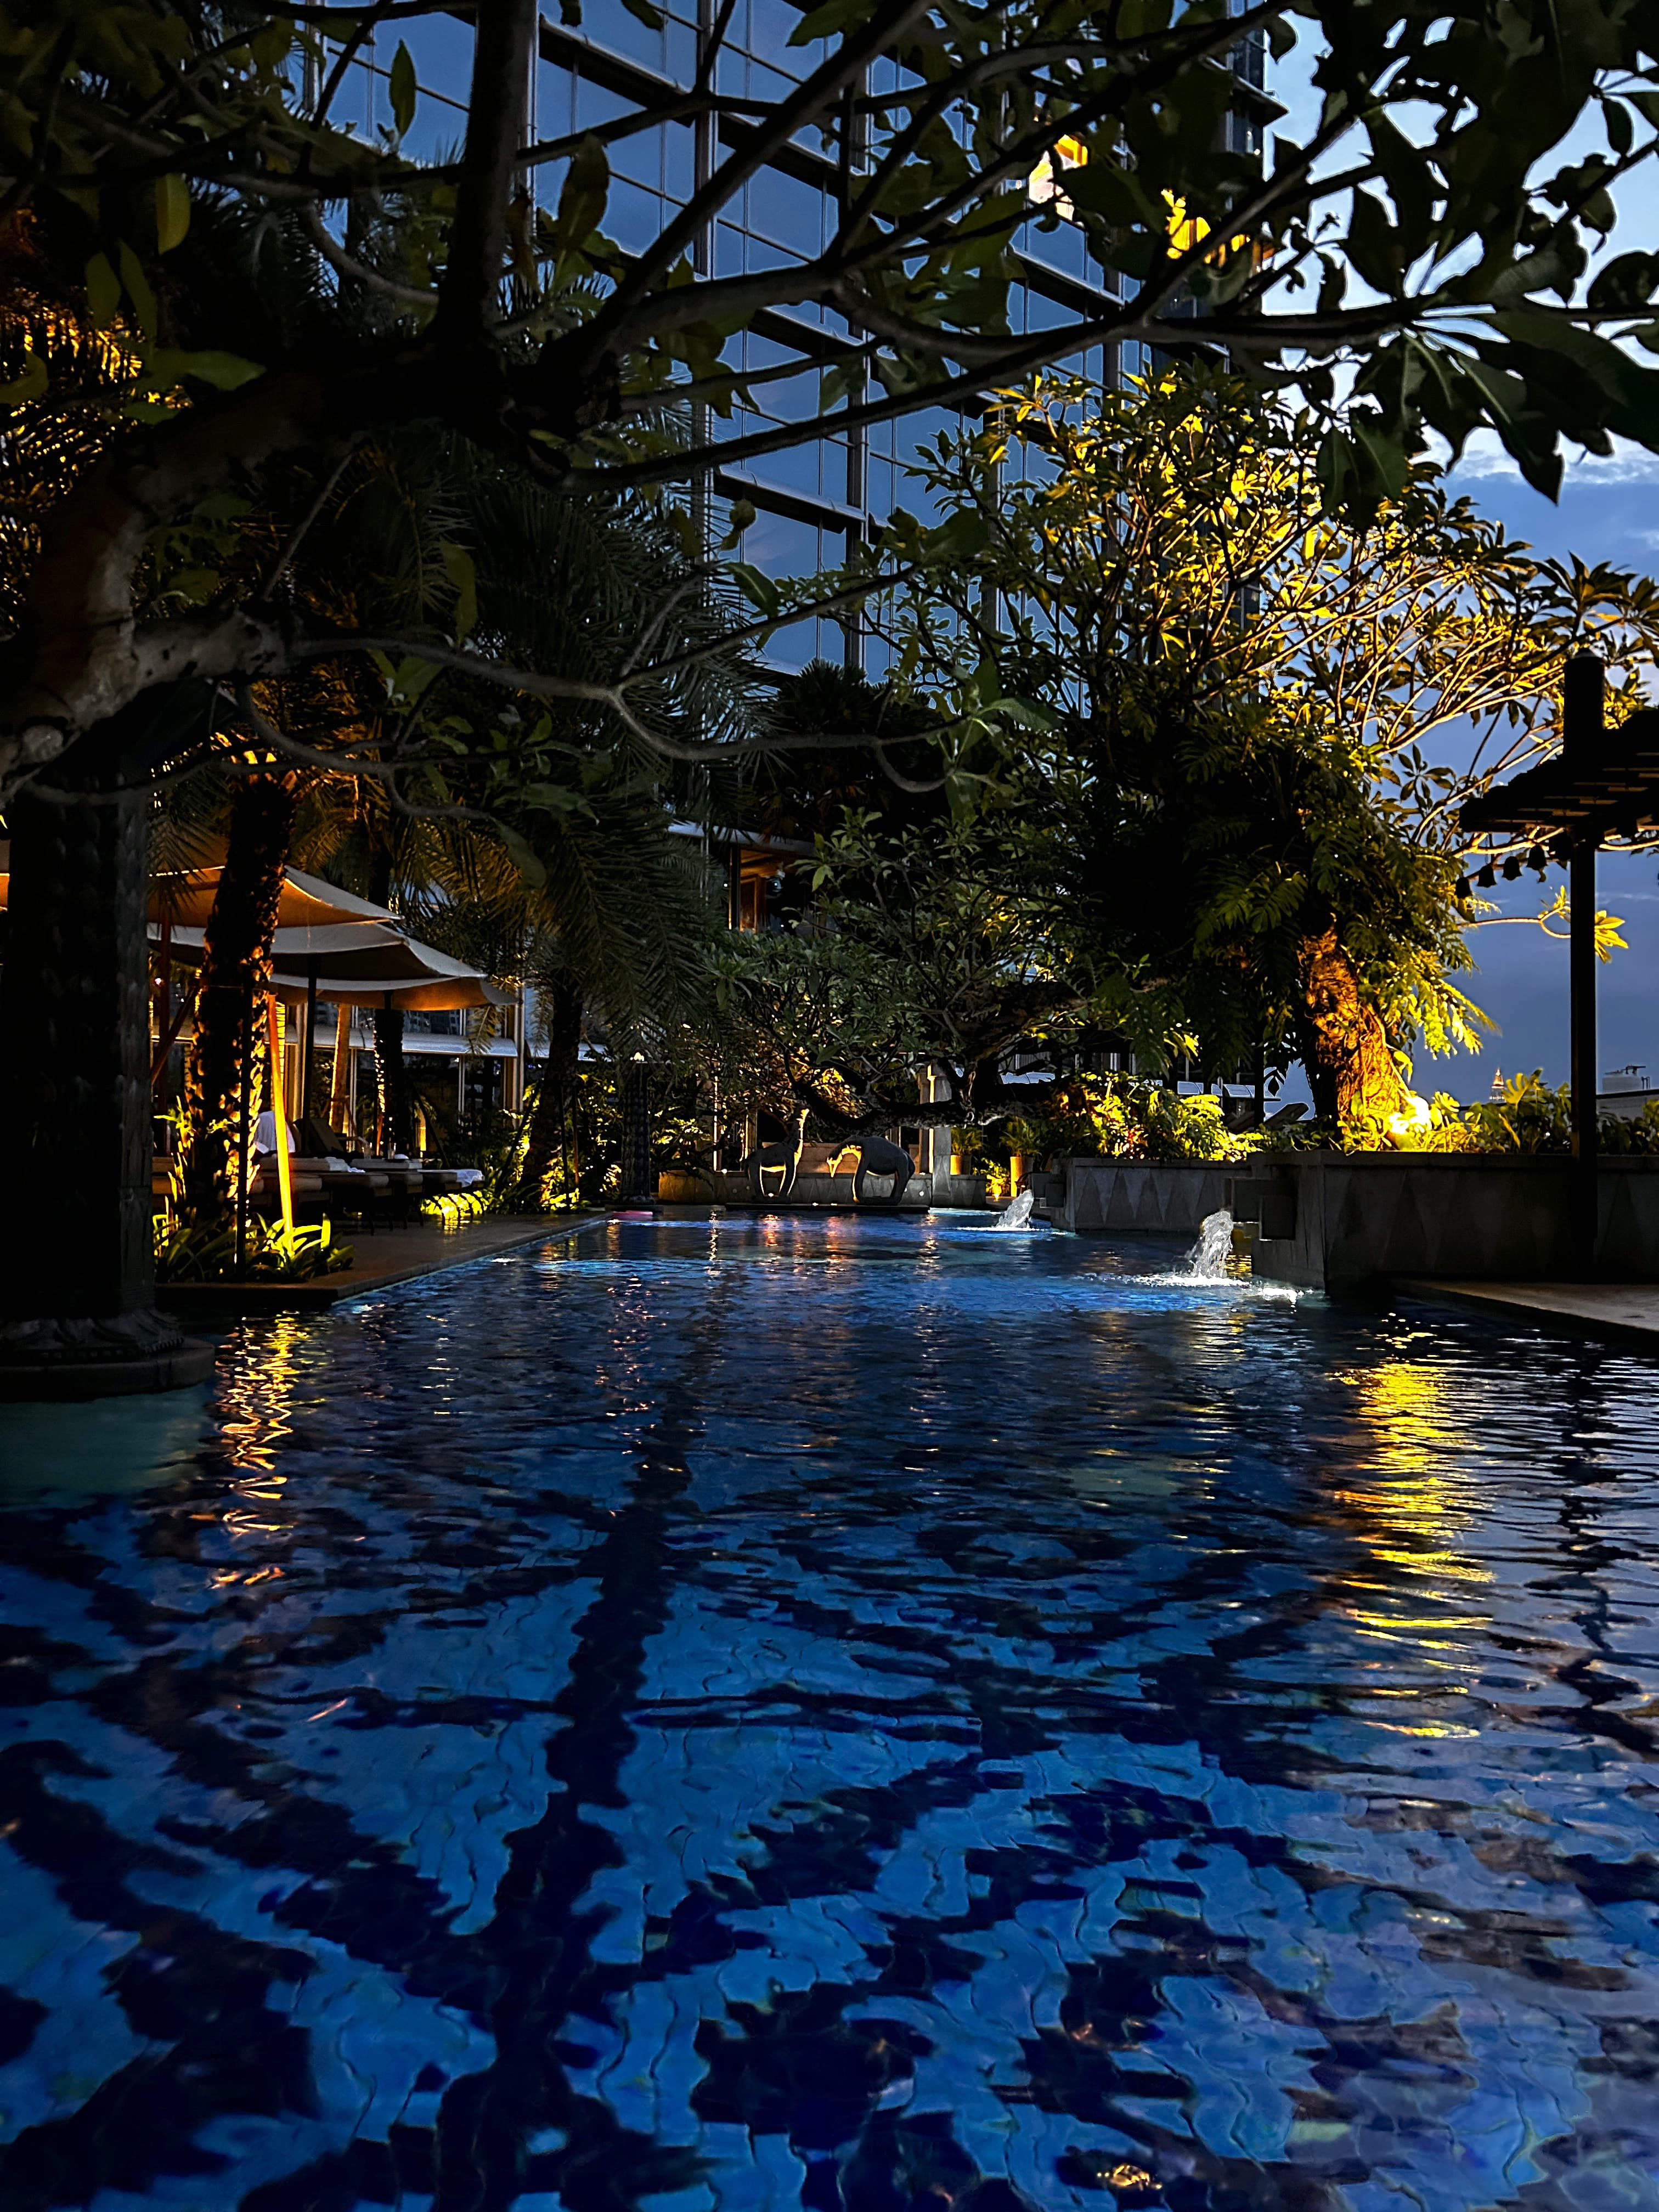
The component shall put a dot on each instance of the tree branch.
(503, 44)
(813, 97)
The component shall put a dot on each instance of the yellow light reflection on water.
(1410, 1504)
(256, 1397)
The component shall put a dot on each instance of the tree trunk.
(235, 970)
(393, 1078)
(1345, 1048)
(77, 1313)
(550, 1118)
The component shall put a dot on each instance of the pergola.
(1602, 783)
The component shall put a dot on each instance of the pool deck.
(1630, 1310)
(396, 1255)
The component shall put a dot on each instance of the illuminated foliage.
(1238, 797)
(305, 286)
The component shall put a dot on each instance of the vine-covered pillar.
(77, 1283)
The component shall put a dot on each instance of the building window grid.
(778, 219)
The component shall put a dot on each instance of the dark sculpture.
(879, 1155)
(784, 1157)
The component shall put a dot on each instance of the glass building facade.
(811, 498)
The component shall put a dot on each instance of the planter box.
(1135, 1195)
(1329, 1217)
(1326, 1218)
(811, 1191)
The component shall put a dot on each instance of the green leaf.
(1105, 188)
(403, 88)
(582, 200)
(759, 590)
(412, 676)
(29, 386)
(1627, 282)
(460, 568)
(1374, 244)
(225, 372)
(523, 857)
(1028, 714)
(103, 291)
(138, 289)
(172, 212)
(966, 532)
(643, 12)
(740, 516)
(555, 799)
(824, 23)
(839, 381)
(1137, 19)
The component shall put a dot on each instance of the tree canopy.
(1198, 748)
(285, 286)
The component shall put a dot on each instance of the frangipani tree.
(288, 286)
(1278, 712)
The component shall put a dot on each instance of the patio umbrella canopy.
(186, 898)
(362, 964)
(330, 944)
(362, 955)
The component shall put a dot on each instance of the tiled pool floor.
(845, 1714)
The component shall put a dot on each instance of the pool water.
(842, 1714)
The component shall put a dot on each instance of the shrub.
(1529, 1117)
(207, 1253)
(1122, 1118)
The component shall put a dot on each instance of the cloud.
(1627, 464)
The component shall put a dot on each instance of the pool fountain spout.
(1207, 1260)
(1018, 1213)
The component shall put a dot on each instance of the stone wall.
(1329, 1218)
(1128, 1194)
(1325, 1219)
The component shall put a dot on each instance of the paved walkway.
(1626, 1310)
(394, 1255)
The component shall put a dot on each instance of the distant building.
(811, 499)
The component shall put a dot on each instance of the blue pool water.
(837, 1714)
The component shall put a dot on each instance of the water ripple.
(843, 1715)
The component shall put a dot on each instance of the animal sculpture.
(782, 1158)
(880, 1155)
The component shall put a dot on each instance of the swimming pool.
(840, 1714)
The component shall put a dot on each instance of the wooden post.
(339, 1091)
(307, 1042)
(1582, 739)
(278, 1091)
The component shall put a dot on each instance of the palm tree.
(574, 874)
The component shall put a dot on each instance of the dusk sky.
(1608, 511)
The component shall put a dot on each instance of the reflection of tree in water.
(973, 1807)
(544, 1973)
